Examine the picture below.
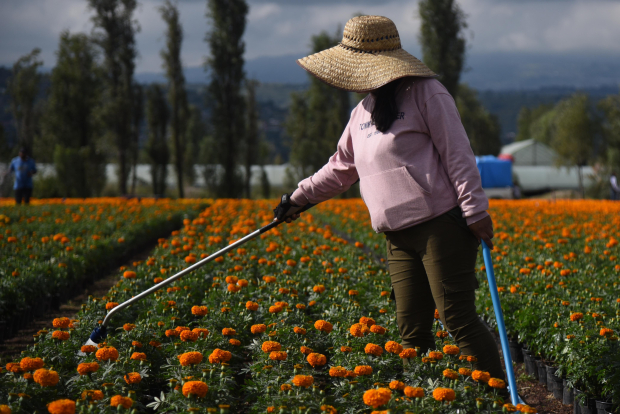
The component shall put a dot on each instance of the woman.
(418, 177)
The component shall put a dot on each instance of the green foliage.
(23, 87)
(72, 130)
(316, 118)
(114, 32)
(194, 134)
(177, 95)
(527, 116)
(442, 40)
(157, 146)
(227, 21)
(610, 107)
(482, 127)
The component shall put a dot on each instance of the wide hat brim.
(358, 71)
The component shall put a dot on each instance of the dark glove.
(285, 205)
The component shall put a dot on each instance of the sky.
(284, 27)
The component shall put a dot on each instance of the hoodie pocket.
(393, 198)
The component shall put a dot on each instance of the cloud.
(284, 27)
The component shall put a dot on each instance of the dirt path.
(10, 349)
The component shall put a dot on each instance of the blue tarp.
(494, 172)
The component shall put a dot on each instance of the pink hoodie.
(422, 167)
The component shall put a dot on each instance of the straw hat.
(368, 57)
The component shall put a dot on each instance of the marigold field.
(300, 320)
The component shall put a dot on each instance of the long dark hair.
(385, 109)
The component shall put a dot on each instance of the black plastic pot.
(554, 383)
(530, 363)
(603, 407)
(515, 351)
(567, 396)
(542, 372)
(576, 406)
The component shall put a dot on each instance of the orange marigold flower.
(606, 332)
(576, 316)
(358, 330)
(466, 372)
(451, 350)
(108, 353)
(480, 376)
(202, 332)
(172, 332)
(155, 344)
(414, 392)
(408, 353)
(61, 323)
(133, 378)
(303, 380)
(377, 329)
(450, 374)
(278, 356)
(86, 368)
(435, 355)
(270, 346)
(129, 274)
(275, 309)
(13, 367)
(323, 326)
(471, 358)
(124, 402)
(190, 358)
(286, 387)
(305, 350)
(61, 335)
(229, 332)
(346, 349)
(353, 292)
(218, 356)
(298, 330)
(234, 342)
(111, 305)
(444, 394)
(189, 336)
(87, 349)
(62, 406)
(364, 320)
(200, 310)
(46, 378)
(319, 288)
(393, 347)
(496, 383)
(196, 388)
(92, 395)
(316, 359)
(397, 385)
(363, 370)
(129, 327)
(441, 334)
(377, 397)
(138, 356)
(372, 349)
(337, 372)
(31, 364)
(260, 328)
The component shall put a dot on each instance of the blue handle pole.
(499, 316)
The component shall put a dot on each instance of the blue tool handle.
(499, 316)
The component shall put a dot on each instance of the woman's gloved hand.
(280, 213)
(483, 230)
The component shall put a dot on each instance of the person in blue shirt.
(24, 168)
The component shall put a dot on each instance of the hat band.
(356, 50)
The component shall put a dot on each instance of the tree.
(610, 107)
(71, 127)
(23, 88)
(195, 133)
(527, 116)
(252, 138)
(138, 115)
(442, 40)
(482, 128)
(574, 133)
(157, 115)
(177, 95)
(115, 33)
(228, 19)
(316, 118)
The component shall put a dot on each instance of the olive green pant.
(432, 266)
